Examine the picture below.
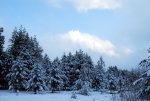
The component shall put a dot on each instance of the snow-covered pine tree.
(36, 50)
(37, 71)
(113, 70)
(18, 51)
(133, 76)
(143, 83)
(78, 64)
(18, 74)
(66, 71)
(47, 65)
(112, 75)
(1, 43)
(86, 75)
(123, 80)
(56, 80)
(7, 63)
(3, 82)
(98, 82)
(72, 70)
(37, 80)
(111, 83)
(83, 83)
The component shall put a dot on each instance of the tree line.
(24, 67)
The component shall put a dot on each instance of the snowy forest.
(24, 67)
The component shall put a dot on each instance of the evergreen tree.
(70, 71)
(18, 74)
(133, 76)
(66, 71)
(37, 80)
(111, 83)
(20, 58)
(6, 64)
(3, 82)
(143, 83)
(124, 82)
(86, 75)
(1, 43)
(84, 70)
(24, 53)
(47, 65)
(112, 75)
(36, 50)
(56, 80)
(121, 81)
(78, 65)
(99, 75)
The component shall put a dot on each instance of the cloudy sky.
(118, 30)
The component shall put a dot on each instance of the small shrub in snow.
(128, 96)
(73, 96)
(84, 90)
(17, 93)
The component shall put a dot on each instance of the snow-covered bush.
(128, 96)
(85, 89)
(74, 96)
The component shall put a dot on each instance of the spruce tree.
(66, 71)
(37, 74)
(47, 65)
(18, 74)
(143, 83)
(56, 80)
(99, 76)
(37, 80)
(20, 58)
(3, 82)
(84, 70)
(112, 75)
(71, 70)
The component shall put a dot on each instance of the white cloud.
(85, 5)
(127, 51)
(88, 41)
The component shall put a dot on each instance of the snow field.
(62, 96)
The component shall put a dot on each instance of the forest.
(24, 67)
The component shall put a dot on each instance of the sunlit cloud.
(90, 42)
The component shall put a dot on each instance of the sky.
(117, 30)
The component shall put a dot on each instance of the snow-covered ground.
(61, 96)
